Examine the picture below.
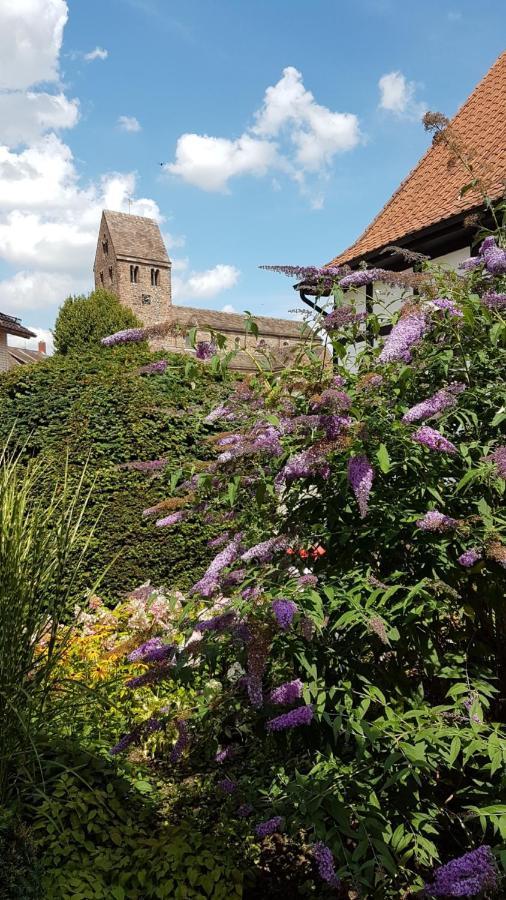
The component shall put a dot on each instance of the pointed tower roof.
(136, 237)
(431, 192)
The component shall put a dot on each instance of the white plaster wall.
(452, 260)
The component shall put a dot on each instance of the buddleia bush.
(354, 620)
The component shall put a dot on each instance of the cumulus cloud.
(97, 53)
(291, 133)
(35, 290)
(228, 308)
(31, 34)
(26, 115)
(201, 285)
(398, 95)
(129, 123)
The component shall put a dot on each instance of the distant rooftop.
(431, 192)
(136, 237)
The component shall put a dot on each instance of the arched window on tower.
(134, 274)
(155, 277)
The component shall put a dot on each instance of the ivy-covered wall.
(97, 409)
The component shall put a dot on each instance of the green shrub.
(98, 410)
(83, 321)
(393, 754)
(99, 839)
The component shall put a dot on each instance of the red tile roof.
(431, 192)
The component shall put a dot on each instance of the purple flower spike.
(436, 521)
(433, 440)
(407, 332)
(154, 368)
(172, 519)
(302, 715)
(153, 650)
(181, 743)
(494, 300)
(264, 552)
(325, 862)
(225, 754)
(445, 304)
(287, 693)
(498, 457)
(128, 336)
(227, 786)
(217, 623)
(271, 826)
(255, 693)
(205, 349)
(469, 558)
(465, 876)
(284, 611)
(360, 476)
(245, 810)
(435, 405)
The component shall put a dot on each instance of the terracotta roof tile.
(430, 193)
(136, 237)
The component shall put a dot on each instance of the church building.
(131, 261)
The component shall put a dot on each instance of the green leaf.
(455, 746)
(383, 458)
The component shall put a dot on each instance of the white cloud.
(97, 53)
(41, 334)
(30, 40)
(398, 95)
(201, 285)
(35, 290)
(291, 133)
(228, 308)
(26, 115)
(129, 123)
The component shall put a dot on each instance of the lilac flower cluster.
(307, 581)
(225, 754)
(341, 317)
(333, 400)
(301, 424)
(208, 584)
(271, 826)
(310, 463)
(135, 736)
(469, 558)
(171, 519)
(153, 650)
(233, 578)
(205, 349)
(264, 551)
(284, 611)
(433, 440)
(219, 541)
(301, 715)
(217, 623)
(446, 304)
(146, 465)
(227, 786)
(361, 277)
(250, 593)
(154, 368)
(181, 742)
(435, 405)
(221, 412)
(325, 862)
(494, 300)
(407, 332)
(245, 810)
(465, 876)
(287, 693)
(316, 280)
(498, 457)
(128, 336)
(265, 440)
(489, 255)
(360, 477)
(436, 521)
(370, 381)
(157, 673)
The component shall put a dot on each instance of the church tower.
(131, 261)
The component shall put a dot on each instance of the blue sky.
(249, 177)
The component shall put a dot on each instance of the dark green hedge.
(97, 409)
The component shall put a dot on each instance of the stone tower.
(131, 261)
